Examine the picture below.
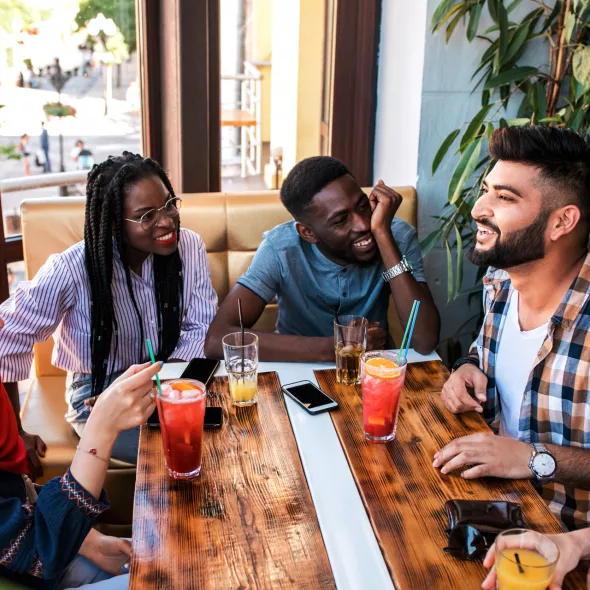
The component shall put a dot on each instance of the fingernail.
(125, 568)
(435, 463)
(479, 409)
(444, 470)
(161, 364)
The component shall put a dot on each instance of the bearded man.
(528, 371)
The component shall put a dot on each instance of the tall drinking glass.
(350, 341)
(383, 373)
(525, 560)
(241, 363)
(181, 408)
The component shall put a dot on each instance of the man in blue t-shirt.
(342, 245)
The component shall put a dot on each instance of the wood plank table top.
(405, 496)
(247, 522)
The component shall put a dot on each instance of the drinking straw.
(408, 326)
(411, 331)
(520, 568)
(242, 327)
(153, 359)
(336, 318)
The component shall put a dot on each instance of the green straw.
(408, 325)
(153, 359)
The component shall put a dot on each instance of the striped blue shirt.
(57, 302)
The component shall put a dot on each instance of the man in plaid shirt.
(528, 370)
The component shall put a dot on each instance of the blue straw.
(411, 331)
(153, 359)
(403, 344)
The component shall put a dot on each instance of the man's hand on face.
(487, 455)
(384, 203)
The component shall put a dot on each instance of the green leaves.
(581, 66)
(473, 22)
(570, 23)
(464, 170)
(474, 127)
(443, 149)
(509, 76)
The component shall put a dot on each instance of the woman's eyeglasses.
(150, 218)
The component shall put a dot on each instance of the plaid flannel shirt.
(555, 407)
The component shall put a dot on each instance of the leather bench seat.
(231, 226)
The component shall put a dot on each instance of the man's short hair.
(307, 179)
(562, 157)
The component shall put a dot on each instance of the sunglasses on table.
(151, 218)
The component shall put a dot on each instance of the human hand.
(489, 455)
(454, 394)
(108, 553)
(376, 336)
(570, 554)
(384, 203)
(128, 401)
(35, 448)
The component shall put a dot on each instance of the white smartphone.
(311, 397)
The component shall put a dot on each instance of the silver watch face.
(544, 464)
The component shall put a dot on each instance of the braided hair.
(105, 194)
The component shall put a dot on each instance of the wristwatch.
(398, 269)
(466, 360)
(542, 463)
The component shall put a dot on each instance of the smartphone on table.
(201, 370)
(310, 396)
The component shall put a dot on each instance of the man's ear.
(305, 233)
(567, 220)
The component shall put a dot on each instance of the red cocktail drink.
(382, 381)
(182, 413)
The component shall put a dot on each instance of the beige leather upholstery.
(231, 226)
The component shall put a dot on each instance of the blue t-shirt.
(294, 271)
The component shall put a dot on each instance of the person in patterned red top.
(530, 366)
(46, 535)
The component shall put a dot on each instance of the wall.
(399, 88)
(418, 72)
(296, 95)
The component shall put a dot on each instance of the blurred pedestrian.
(44, 141)
(23, 148)
(82, 156)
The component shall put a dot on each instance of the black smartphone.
(213, 418)
(311, 397)
(201, 369)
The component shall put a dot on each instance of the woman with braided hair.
(136, 275)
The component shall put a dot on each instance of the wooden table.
(404, 495)
(247, 522)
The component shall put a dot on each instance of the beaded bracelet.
(92, 451)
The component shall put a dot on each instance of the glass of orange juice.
(525, 560)
(383, 373)
(241, 363)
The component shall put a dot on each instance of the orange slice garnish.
(381, 368)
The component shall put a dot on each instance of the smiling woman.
(136, 275)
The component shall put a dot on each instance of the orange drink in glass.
(382, 379)
(525, 560)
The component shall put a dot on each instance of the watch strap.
(400, 268)
(466, 360)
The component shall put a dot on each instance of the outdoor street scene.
(68, 93)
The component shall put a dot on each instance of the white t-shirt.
(516, 355)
